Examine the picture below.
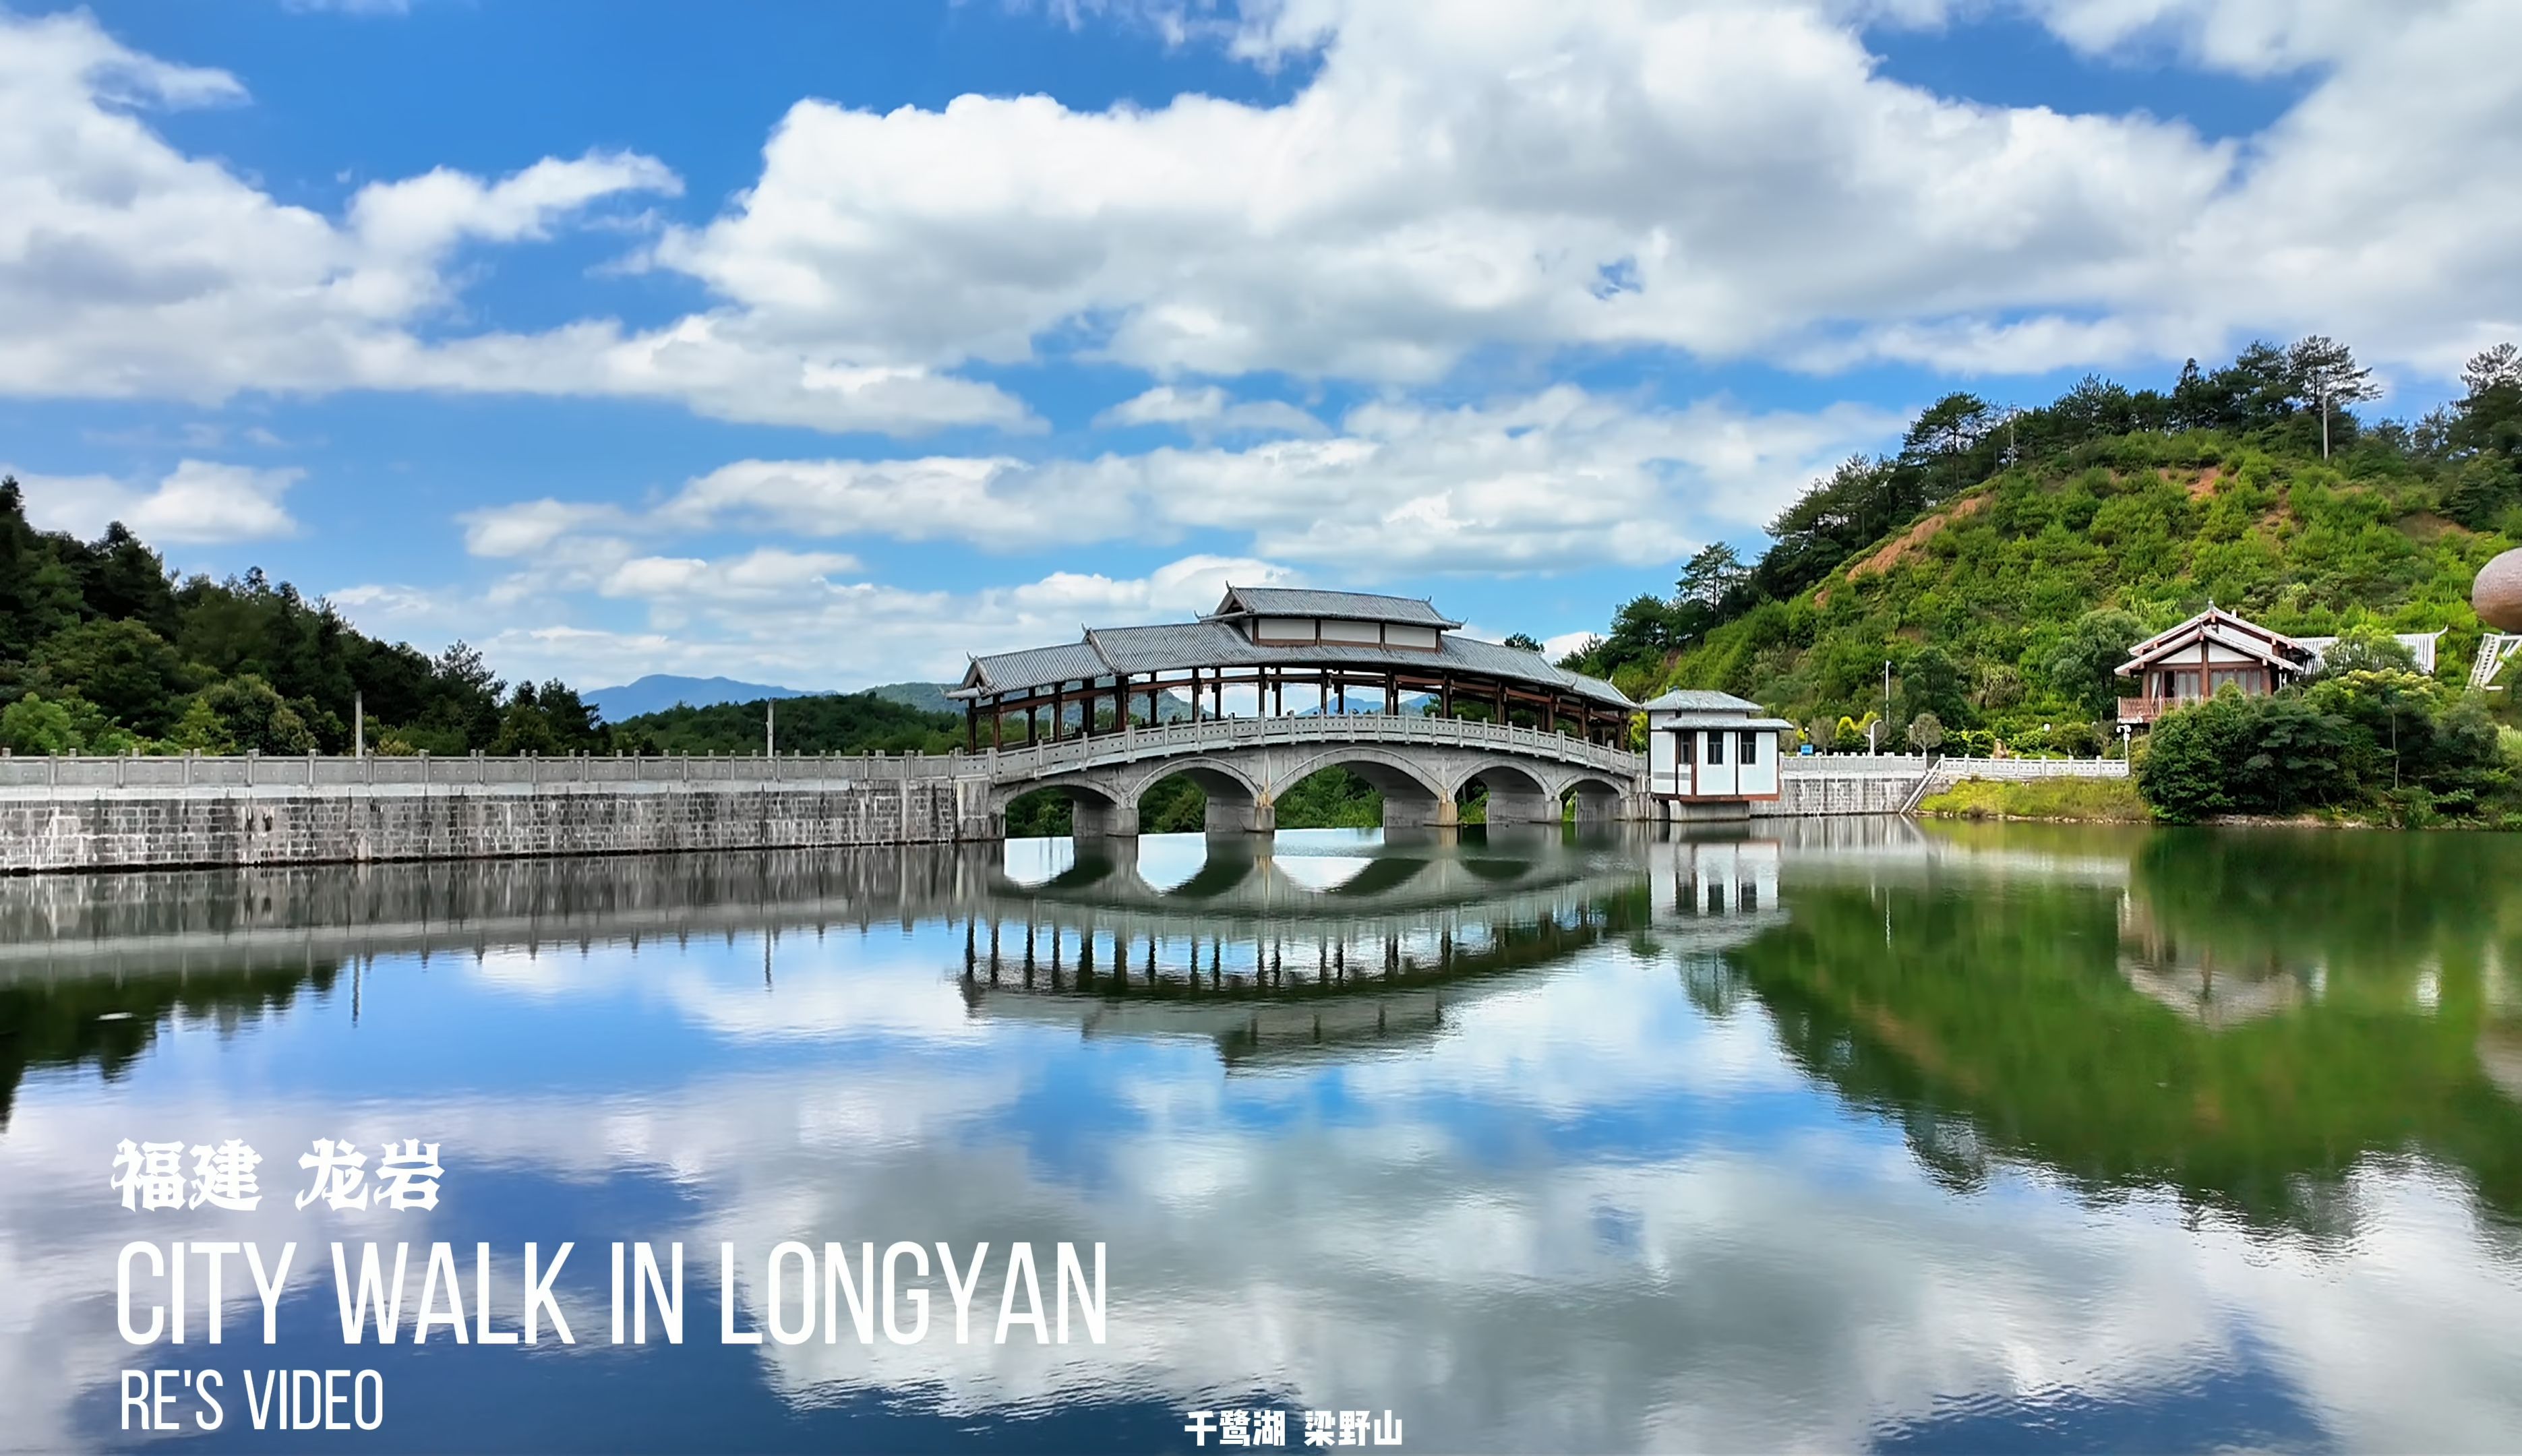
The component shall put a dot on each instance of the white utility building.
(1711, 747)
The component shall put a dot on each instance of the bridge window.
(1688, 749)
(1716, 747)
(1750, 746)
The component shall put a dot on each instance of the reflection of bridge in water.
(1272, 965)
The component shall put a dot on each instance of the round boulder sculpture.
(2497, 595)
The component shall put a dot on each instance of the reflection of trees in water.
(2002, 1021)
(63, 1024)
(2365, 907)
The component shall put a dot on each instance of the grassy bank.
(2112, 801)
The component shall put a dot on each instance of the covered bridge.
(1270, 651)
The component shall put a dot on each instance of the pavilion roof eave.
(2213, 618)
(1352, 606)
(2273, 651)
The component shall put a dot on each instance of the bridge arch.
(1095, 809)
(1597, 800)
(1412, 797)
(1518, 793)
(1244, 768)
(1238, 803)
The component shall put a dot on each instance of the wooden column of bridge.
(1204, 692)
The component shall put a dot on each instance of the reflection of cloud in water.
(1322, 872)
(1585, 1217)
(1038, 862)
(844, 982)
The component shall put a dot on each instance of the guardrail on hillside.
(1914, 766)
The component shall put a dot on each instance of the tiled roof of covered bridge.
(1172, 646)
(1353, 606)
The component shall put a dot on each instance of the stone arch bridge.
(1419, 765)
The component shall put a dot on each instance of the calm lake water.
(1836, 1135)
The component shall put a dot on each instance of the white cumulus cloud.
(1730, 177)
(1556, 480)
(1209, 410)
(198, 504)
(796, 619)
(130, 270)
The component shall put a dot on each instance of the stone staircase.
(2492, 650)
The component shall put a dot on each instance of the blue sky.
(820, 344)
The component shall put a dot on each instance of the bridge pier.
(1229, 815)
(1511, 807)
(1595, 810)
(1401, 811)
(1102, 819)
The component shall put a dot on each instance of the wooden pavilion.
(1268, 647)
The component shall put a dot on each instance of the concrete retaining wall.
(95, 827)
(1801, 795)
(1889, 783)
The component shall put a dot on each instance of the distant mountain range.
(928, 697)
(659, 691)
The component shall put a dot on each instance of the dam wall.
(64, 813)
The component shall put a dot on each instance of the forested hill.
(825, 723)
(2002, 562)
(103, 651)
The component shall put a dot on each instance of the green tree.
(2480, 489)
(2367, 649)
(1523, 640)
(1932, 682)
(1712, 574)
(1645, 630)
(32, 725)
(1925, 733)
(2326, 372)
(127, 581)
(2083, 667)
(1940, 442)
(122, 667)
(200, 730)
(256, 719)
